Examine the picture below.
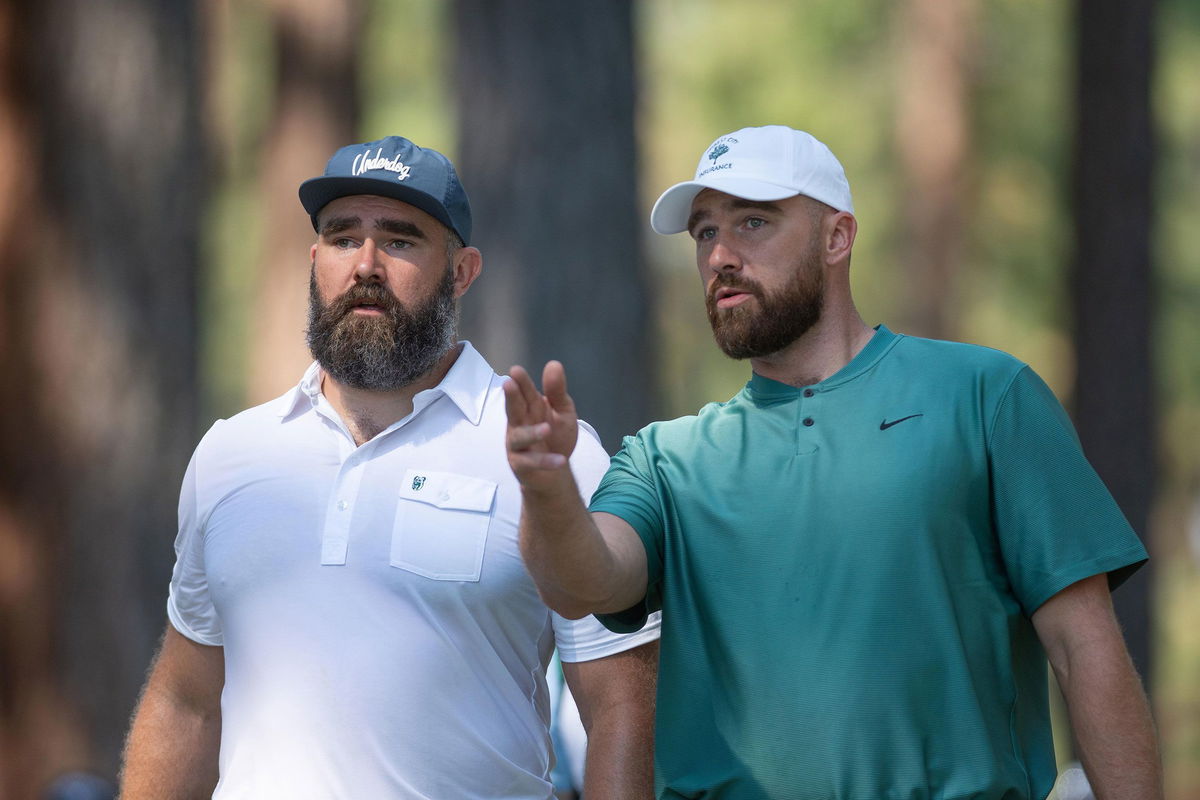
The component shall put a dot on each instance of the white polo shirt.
(382, 637)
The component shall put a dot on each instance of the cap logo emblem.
(720, 147)
(365, 161)
(418, 482)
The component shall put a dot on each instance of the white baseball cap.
(767, 163)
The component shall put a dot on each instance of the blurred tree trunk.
(548, 155)
(100, 205)
(316, 111)
(1112, 276)
(937, 42)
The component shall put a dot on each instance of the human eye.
(704, 234)
(399, 244)
(343, 243)
(754, 223)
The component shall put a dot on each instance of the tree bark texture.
(937, 44)
(316, 111)
(100, 205)
(547, 152)
(1112, 278)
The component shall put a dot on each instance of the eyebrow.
(400, 228)
(335, 225)
(736, 204)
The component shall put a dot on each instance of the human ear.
(468, 263)
(842, 227)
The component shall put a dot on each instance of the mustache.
(728, 280)
(365, 294)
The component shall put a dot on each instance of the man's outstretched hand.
(579, 567)
(542, 428)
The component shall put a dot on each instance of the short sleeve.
(1057, 523)
(189, 606)
(586, 639)
(589, 462)
(628, 491)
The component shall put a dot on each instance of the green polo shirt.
(847, 572)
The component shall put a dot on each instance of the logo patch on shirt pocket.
(441, 524)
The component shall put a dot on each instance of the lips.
(366, 300)
(727, 292)
(730, 295)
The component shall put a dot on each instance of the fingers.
(527, 448)
(528, 460)
(523, 437)
(530, 417)
(522, 401)
(554, 383)
(514, 399)
(533, 398)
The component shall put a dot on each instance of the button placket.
(806, 417)
(339, 512)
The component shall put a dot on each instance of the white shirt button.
(343, 505)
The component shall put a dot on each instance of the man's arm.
(1109, 712)
(172, 747)
(582, 563)
(615, 696)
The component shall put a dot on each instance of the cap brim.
(671, 211)
(316, 193)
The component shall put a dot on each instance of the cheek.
(329, 278)
(404, 284)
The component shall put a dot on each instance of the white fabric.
(766, 163)
(381, 636)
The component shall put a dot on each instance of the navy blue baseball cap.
(393, 167)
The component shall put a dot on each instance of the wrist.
(550, 485)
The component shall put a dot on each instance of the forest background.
(1026, 176)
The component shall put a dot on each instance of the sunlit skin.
(744, 246)
(371, 239)
(365, 238)
(755, 240)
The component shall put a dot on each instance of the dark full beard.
(380, 352)
(757, 329)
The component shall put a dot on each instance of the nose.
(723, 258)
(367, 266)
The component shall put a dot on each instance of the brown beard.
(380, 352)
(780, 318)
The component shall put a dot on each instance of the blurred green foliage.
(408, 79)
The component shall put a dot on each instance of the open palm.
(542, 428)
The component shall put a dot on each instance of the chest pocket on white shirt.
(441, 524)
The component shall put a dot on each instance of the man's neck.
(819, 353)
(368, 412)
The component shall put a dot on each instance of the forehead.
(709, 200)
(370, 209)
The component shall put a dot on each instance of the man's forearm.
(1113, 728)
(620, 757)
(170, 752)
(564, 550)
(616, 698)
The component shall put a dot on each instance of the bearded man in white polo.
(349, 614)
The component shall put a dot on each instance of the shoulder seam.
(991, 426)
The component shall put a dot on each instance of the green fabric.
(846, 603)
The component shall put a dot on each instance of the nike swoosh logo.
(883, 426)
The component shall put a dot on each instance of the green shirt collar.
(762, 389)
